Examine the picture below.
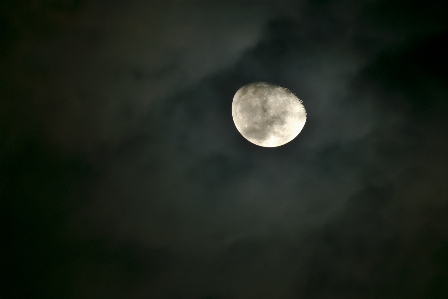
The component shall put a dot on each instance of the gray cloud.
(188, 208)
(107, 63)
(240, 215)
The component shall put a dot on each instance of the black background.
(123, 176)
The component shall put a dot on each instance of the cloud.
(104, 65)
(193, 185)
(146, 93)
(245, 216)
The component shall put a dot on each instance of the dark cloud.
(105, 58)
(123, 175)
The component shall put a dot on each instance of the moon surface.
(267, 115)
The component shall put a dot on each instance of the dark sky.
(122, 174)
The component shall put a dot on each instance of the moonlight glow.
(267, 115)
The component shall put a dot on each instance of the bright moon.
(267, 115)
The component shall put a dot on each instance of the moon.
(267, 115)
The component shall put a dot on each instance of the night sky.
(122, 174)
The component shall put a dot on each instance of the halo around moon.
(267, 115)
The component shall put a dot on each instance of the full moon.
(267, 115)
